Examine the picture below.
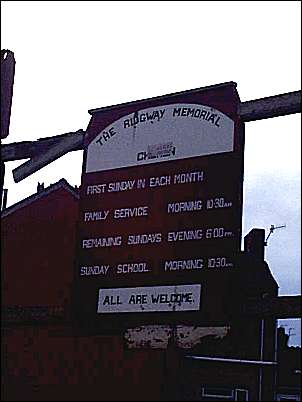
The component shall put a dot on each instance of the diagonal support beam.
(29, 149)
(64, 145)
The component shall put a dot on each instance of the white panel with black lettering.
(161, 133)
(149, 299)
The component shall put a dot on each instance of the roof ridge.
(33, 197)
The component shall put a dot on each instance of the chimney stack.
(254, 243)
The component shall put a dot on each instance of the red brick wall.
(46, 361)
(38, 251)
(41, 365)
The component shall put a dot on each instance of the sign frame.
(222, 96)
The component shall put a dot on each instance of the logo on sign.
(157, 151)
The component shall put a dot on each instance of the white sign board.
(172, 132)
(148, 299)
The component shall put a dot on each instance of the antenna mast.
(272, 228)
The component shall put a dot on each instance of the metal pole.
(261, 358)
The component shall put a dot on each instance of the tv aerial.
(271, 230)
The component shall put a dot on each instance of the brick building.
(45, 358)
(41, 357)
(289, 369)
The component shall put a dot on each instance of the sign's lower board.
(149, 299)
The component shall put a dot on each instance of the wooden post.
(2, 179)
(272, 106)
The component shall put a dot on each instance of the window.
(241, 395)
(214, 393)
(209, 393)
(283, 397)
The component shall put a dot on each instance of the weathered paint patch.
(151, 336)
(157, 336)
(188, 337)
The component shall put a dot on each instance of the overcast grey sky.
(75, 56)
